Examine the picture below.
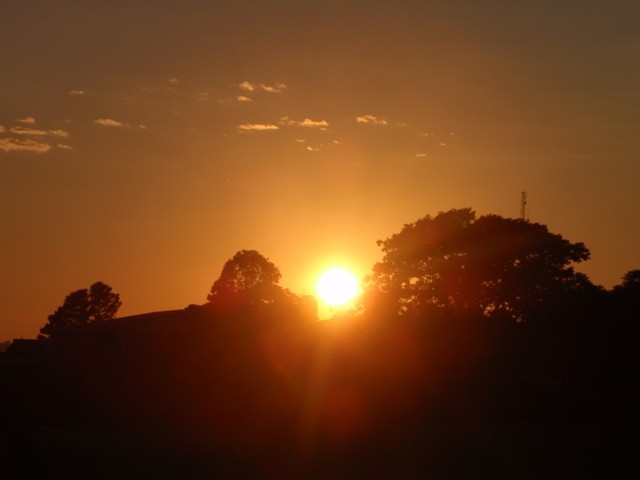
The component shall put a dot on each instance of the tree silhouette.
(96, 304)
(493, 266)
(626, 298)
(247, 276)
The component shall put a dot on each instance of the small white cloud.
(307, 122)
(300, 140)
(277, 88)
(371, 119)
(335, 142)
(425, 134)
(420, 155)
(109, 122)
(63, 146)
(256, 127)
(313, 149)
(173, 81)
(242, 98)
(246, 86)
(76, 93)
(203, 96)
(37, 132)
(29, 120)
(28, 131)
(442, 144)
(142, 127)
(59, 133)
(23, 145)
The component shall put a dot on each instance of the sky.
(143, 143)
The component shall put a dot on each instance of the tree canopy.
(487, 265)
(98, 303)
(248, 275)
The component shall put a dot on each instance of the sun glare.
(337, 286)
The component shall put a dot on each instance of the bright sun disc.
(337, 286)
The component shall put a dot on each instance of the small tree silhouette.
(247, 276)
(96, 304)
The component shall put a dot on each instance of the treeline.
(470, 331)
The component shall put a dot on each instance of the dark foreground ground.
(510, 451)
(202, 399)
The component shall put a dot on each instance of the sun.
(337, 286)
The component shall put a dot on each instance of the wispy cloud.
(372, 119)
(307, 122)
(27, 131)
(277, 88)
(23, 145)
(76, 93)
(38, 132)
(2, 129)
(256, 127)
(109, 122)
(173, 81)
(319, 146)
(28, 120)
(247, 86)
(420, 155)
(242, 98)
(63, 146)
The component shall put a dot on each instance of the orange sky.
(143, 144)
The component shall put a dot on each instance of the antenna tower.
(523, 205)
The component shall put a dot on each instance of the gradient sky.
(143, 143)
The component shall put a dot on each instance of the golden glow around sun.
(337, 286)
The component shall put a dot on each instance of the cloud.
(29, 120)
(256, 127)
(313, 149)
(371, 119)
(38, 132)
(173, 81)
(246, 86)
(420, 155)
(76, 93)
(307, 122)
(27, 131)
(277, 88)
(109, 122)
(242, 98)
(23, 145)
(63, 146)
(2, 129)
(203, 96)
(59, 133)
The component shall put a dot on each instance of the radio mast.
(523, 205)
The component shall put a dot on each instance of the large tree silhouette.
(247, 276)
(456, 262)
(96, 304)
